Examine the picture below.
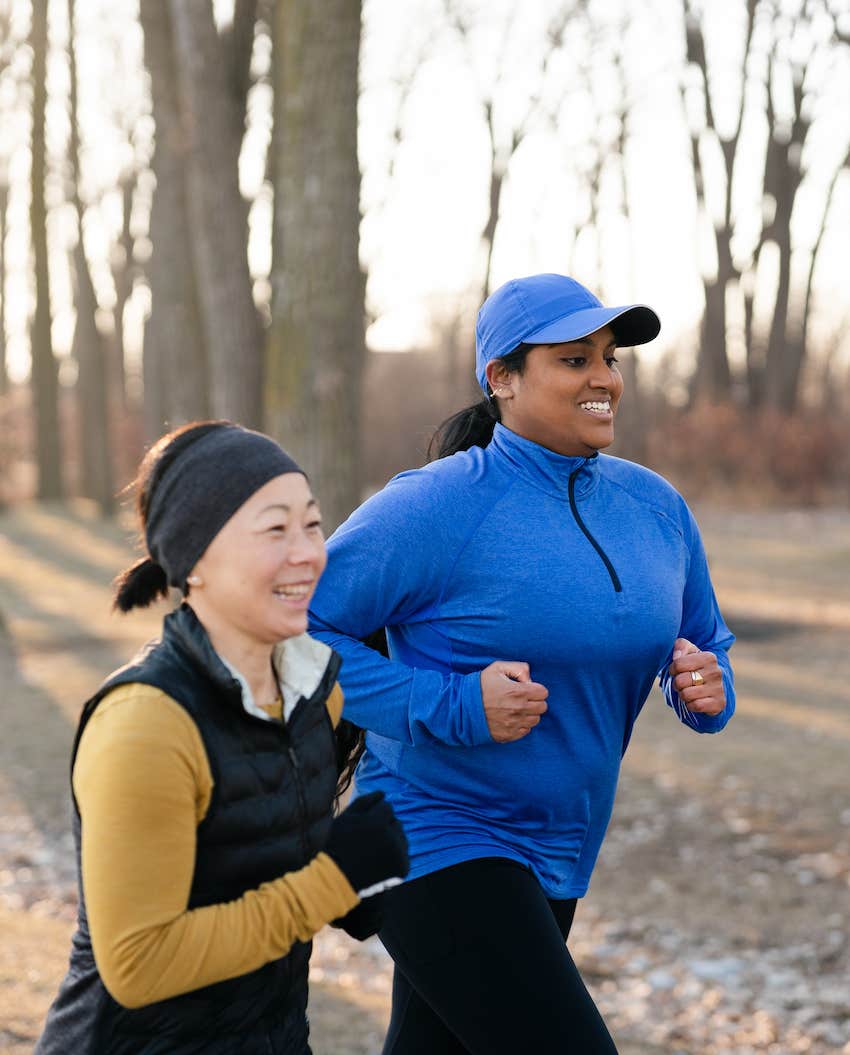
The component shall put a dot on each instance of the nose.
(304, 549)
(600, 375)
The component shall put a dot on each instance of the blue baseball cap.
(550, 309)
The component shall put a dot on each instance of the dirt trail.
(718, 917)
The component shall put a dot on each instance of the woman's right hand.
(513, 703)
(368, 843)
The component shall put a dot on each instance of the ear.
(500, 379)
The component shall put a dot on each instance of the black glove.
(364, 920)
(368, 843)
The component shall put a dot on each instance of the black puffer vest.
(270, 813)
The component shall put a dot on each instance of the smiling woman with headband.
(532, 590)
(205, 773)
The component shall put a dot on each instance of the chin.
(296, 627)
(276, 630)
(599, 443)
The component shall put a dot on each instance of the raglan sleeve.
(703, 625)
(386, 567)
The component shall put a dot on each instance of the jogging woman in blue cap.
(532, 590)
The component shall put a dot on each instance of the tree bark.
(4, 375)
(89, 346)
(315, 356)
(785, 355)
(213, 126)
(122, 277)
(44, 377)
(175, 375)
(712, 378)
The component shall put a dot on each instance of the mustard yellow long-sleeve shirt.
(143, 783)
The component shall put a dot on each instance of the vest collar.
(301, 661)
(545, 469)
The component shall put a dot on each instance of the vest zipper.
(615, 579)
(299, 792)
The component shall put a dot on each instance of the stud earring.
(194, 580)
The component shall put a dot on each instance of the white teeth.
(293, 591)
(599, 407)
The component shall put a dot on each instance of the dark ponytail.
(146, 581)
(140, 585)
(473, 426)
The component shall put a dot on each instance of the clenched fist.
(513, 703)
(697, 678)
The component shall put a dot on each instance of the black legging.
(482, 967)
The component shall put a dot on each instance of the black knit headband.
(202, 489)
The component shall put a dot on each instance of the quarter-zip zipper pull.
(615, 579)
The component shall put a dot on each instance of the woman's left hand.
(697, 678)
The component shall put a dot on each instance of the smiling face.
(260, 571)
(566, 397)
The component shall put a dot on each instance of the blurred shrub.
(750, 457)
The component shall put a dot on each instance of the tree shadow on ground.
(90, 549)
(35, 746)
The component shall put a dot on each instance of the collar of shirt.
(545, 469)
(300, 663)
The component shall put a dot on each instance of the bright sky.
(424, 201)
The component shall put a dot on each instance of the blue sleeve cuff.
(472, 703)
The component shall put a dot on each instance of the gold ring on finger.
(697, 678)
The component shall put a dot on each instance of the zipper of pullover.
(615, 579)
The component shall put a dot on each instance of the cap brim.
(632, 324)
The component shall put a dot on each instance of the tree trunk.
(96, 477)
(45, 382)
(316, 355)
(213, 127)
(713, 379)
(89, 347)
(783, 175)
(122, 277)
(782, 367)
(713, 375)
(174, 372)
(4, 376)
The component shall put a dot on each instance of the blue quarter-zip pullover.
(587, 570)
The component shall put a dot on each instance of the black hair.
(145, 581)
(350, 745)
(473, 426)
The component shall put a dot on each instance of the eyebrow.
(587, 340)
(285, 508)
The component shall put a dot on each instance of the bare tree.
(212, 75)
(45, 382)
(175, 375)
(713, 377)
(123, 271)
(784, 173)
(89, 346)
(781, 65)
(316, 350)
(504, 145)
(4, 201)
(6, 45)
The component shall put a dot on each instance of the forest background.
(288, 214)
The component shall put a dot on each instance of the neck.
(252, 658)
(551, 442)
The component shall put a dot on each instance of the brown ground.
(718, 917)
